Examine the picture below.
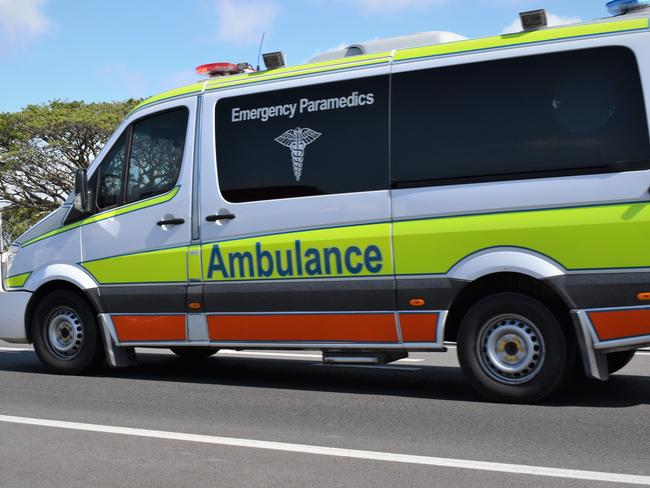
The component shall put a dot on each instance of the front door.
(295, 215)
(135, 245)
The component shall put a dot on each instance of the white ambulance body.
(490, 192)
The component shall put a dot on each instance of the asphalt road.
(268, 420)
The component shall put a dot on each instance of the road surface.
(279, 419)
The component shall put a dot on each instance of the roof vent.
(354, 51)
(383, 45)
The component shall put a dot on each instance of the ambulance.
(390, 197)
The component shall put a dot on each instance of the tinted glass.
(316, 140)
(111, 173)
(553, 114)
(156, 154)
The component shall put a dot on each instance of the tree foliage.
(42, 146)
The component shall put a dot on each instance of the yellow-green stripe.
(194, 270)
(261, 76)
(108, 214)
(339, 237)
(506, 40)
(578, 238)
(596, 237)
(164, 266)
(17, 281)
(519, 38)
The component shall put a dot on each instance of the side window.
(156, 154)
(153, 147)
(315, 140)
(556, 114)
(111, 174)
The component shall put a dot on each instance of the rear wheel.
(194, 353)
(513, 349)
(65, 333)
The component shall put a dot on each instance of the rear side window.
(316, 140)
(556, 114)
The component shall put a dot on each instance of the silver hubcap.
(510, 349)
(65, 333)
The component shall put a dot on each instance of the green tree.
(41, 147)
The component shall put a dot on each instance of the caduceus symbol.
(297, 140)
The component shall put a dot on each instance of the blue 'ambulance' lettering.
(294, 262)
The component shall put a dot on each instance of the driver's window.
(156, 154)
(111, 171)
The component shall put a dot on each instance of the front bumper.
(13, 305)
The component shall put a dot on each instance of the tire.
(194, 353)
(65, 333)
(616, 361)
(513, 349)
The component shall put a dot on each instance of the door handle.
(215, 217)
(171, 222)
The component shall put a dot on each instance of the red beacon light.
(217, 69)
(223, 69)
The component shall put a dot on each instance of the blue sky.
(97, 50)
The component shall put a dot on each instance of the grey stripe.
(301, 296)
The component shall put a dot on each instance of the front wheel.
(65, 333)
(513, 349)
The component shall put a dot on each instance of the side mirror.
(81, 194)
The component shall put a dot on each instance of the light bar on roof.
(620, 7)
(217, 69)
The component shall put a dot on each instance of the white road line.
(14, 349)
(518, 469)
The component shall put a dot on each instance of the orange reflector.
(644, 295)
(195, 305)
(417, 302)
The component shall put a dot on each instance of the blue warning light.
(620, 7)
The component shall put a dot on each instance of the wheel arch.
(508, 282)
(53, 285)
(60, 272)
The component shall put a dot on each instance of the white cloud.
(553, 20)
(22, 21)
(244, 21)
(392, 6)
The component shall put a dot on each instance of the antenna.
(259, 53)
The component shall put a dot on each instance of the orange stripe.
(131, 328)
(303, 327)
(621, 323)
(418, 327)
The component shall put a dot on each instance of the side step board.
(354, 357)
